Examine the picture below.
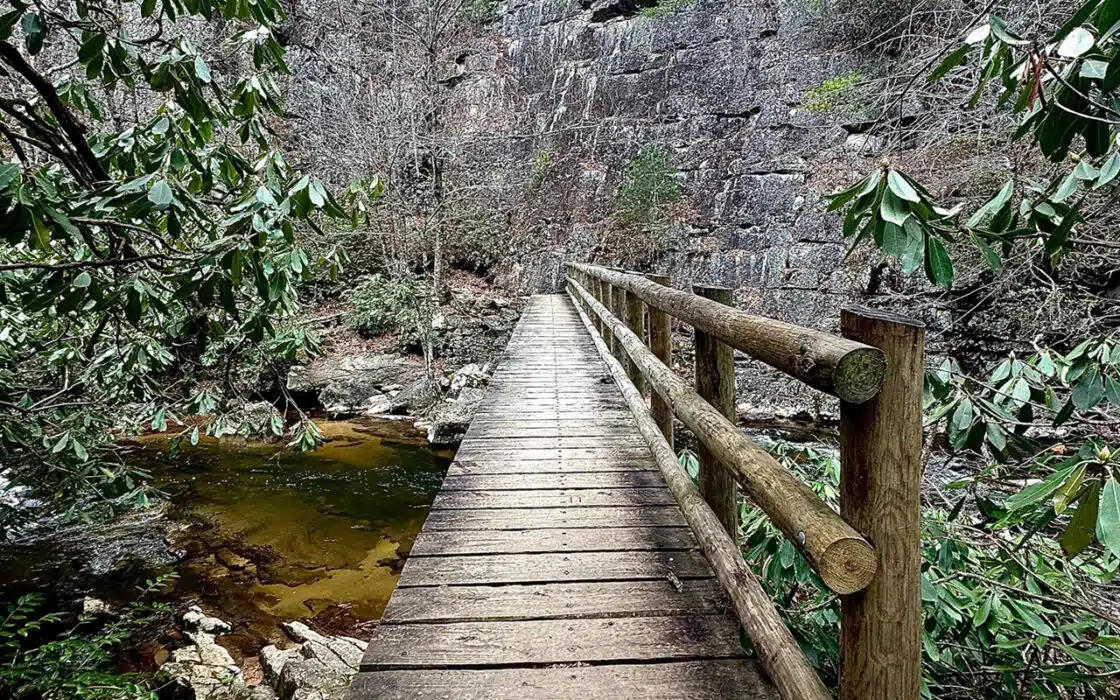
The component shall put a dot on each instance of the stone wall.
(718, 85)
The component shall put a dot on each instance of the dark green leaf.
(1108, 16)
(8, 173)
(1079, 533)
(161, 194)
(1098, 136)
(1109, 170)
(951, 61)
(91, 48)
(898, 184)
(991, 257)
(993, 206)
(1089, 389)
(133, 306)
(1108, 520)
(939, 268)
(1112, 75)
(7, 21)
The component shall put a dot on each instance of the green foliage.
(541, 165)
(144, 255)
(1001, 607)
(647, 188)
(824, 97)
(37, 661)
(481, 12)
(995, 416)
(664, 8)
(402, 306)
(1065, 90)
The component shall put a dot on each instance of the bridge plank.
(476, 451)
(444, 542)
(500, 465)
(544, 642)
(536, 518)
(560, 601)
(737, 679)
(554, 498)
(548, 567)
(536, 481)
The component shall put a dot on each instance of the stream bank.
(256, 535)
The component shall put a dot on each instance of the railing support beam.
(636, 322)
(880, 496)
(661, 343)
(715, 382)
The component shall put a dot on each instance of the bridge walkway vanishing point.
(555, 562)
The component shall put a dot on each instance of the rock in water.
(204, 670)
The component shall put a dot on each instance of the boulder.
(304, 679)
(199, 623)
(450, 421)
(416, 397)
(273, 661)
(203, 671)
(378, 403)
(344, 385)
(471, 375)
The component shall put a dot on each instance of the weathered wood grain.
(556, 601)
(696, 680)
(546, 642)
(844, 368)
(535, 481)
(778, 651)
(554, 498)
(442, 542)
(880, 495)
(549, 567)
(528, 518)
(498, 465)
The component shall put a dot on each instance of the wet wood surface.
(555, 562)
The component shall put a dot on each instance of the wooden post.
(618, 309)
(636, 320)
(661, 343)
(596, 290)
(715, 382)
(880, 496)
(607, 290)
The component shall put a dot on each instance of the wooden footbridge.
(568, 555)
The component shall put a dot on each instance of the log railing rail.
(869, 553)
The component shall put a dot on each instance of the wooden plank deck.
(554, 562)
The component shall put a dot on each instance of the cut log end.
(848, 565)
(859, 374)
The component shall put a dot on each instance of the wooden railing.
(869, 553)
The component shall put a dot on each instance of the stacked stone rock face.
(592, 83)
(714, 87)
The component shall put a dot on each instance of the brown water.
(274, 535)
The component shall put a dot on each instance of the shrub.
(480, 12)
(77, 662)
(1003, 609)
(826, 96)
(402, 306)
(664, 8)
(647, 187)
